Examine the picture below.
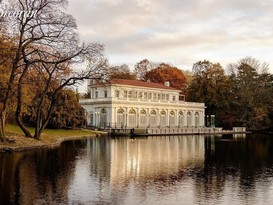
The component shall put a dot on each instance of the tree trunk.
(22, 126)
(2, 126)
(19, 104)
(38, 126)
(41, 124)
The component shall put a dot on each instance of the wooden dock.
(173, 131)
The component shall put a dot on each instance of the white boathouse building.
(138, 104)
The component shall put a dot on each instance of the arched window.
(132, 111)
(120, 118)
(197, 119)
(103, 118)
(189, 119)
(143, 112)
(172, 118)
(143, 118)
(153, 118)
(132, 118)
(180, 118)
(120, 111)
(162, 112)
(163, 118)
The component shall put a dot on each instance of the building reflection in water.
(115, 169)
(154, 157)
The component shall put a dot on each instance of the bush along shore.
(50, 138)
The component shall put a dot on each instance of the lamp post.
(208, 123)
(212, 118)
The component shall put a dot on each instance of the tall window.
(173, 97)
(189, 124)
(132, 118)
(180, 119)
(120, 118)
(153, 118)
(197, 124)
(172, 119)
(96, 94)
(103, 118)
(105, 93)
(163, 119)
(143, 118)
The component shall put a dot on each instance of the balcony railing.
(94, 100)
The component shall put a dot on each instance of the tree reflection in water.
(39, 176)
(241, 167)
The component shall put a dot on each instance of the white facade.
(132, 104)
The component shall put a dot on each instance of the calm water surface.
(153, 170)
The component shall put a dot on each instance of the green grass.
(48, 137)
(15, 129)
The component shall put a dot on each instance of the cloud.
(177, 31)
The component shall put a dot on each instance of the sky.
(178, 32)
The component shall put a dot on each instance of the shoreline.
(12, 147)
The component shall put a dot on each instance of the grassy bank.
(48, 138)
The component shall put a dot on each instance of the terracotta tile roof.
(139, 83)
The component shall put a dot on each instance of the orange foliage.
(164, 73)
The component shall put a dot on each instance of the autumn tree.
(211, 86)
(6, 53)
(142, 67)
(120, 72)
(251, 93)
(67, 113)
(164, 73)
(48, 41)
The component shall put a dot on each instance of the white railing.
(93, 100)
(82, 101)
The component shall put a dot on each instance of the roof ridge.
(140, 83)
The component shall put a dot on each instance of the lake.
(150, 170)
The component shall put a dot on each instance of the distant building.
(132, 103)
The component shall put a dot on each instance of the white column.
(168, 118)
(203, 118)
(137, 117)
(176, 118)
(114, 117)
(95, 118)
(108, 116)
(99, 117)
(126, 117)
